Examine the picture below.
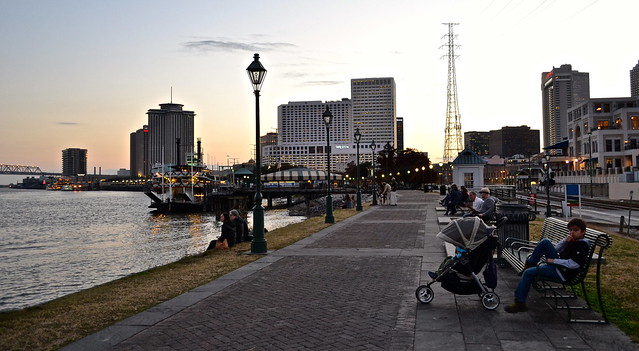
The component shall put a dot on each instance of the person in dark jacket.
(455, 197)
(562, 262)
(239, 225)
(228, 233)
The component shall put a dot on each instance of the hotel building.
(562, 88)
(301, 137)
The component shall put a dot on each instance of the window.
(603, 124)
(608, 145)
(634, 121)
(469, 180)
(618, 123)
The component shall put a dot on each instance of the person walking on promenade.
(239, 226)
(393, 193)
(562, 262)
(385, 193)
(227, 239)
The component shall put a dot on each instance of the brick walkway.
(351, 287)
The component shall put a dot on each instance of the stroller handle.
(501, 222)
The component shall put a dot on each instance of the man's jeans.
(543, 248)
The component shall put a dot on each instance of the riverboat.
(179, 188)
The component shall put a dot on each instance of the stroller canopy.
(467, 233)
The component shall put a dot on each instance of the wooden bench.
(515, 251)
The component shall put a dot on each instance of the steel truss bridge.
(18, 169)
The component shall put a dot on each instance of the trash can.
(517, 224)
(442, 189)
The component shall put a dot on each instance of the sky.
(84, 73)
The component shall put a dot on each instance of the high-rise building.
(477, 142)
(171, 135)
(510, 141)
(302, 135)
(74, 162)
(301, 138)
(139, 145)
(400, 133)
(562, 88)
(634, 80)
(374, 109)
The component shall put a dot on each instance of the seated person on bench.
(562, 262)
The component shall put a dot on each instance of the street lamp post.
(327, 115)
(590, 160)
(373, 147)
(256, 73)
(548, 209)
(358, 137)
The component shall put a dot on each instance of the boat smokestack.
(177, 146)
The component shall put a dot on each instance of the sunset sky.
(84, 73)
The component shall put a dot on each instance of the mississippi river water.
(54, 243)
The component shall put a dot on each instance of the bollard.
(622, 223)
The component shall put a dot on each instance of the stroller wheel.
(424, 294)
(490, 300)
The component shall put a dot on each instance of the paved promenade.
(351, 287)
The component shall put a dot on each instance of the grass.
(54, 324)
(618, 281)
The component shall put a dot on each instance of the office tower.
(374, 110)
(477, 142)
(562, 88)
(510, 141)
(269, 138)
(74, 162)
(301, 137)
(171, 136)
(400, 133)
(634, 80)
(139, 167)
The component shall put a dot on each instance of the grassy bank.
(618, 281)
(59, 322)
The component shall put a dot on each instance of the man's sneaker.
(516, 307)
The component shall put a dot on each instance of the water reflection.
(55, 243)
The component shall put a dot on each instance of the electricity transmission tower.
(453, 136)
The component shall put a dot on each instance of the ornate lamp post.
(358, 137)
(373, 147)
(327, 115)
(256, 73)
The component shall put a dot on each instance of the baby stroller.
(475, 243)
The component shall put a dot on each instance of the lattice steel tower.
(453, 136)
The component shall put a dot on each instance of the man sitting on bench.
(562, 262)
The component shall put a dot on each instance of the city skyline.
(83, 75)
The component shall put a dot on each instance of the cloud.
(219, 45)
(321, 82)
(68, 123)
